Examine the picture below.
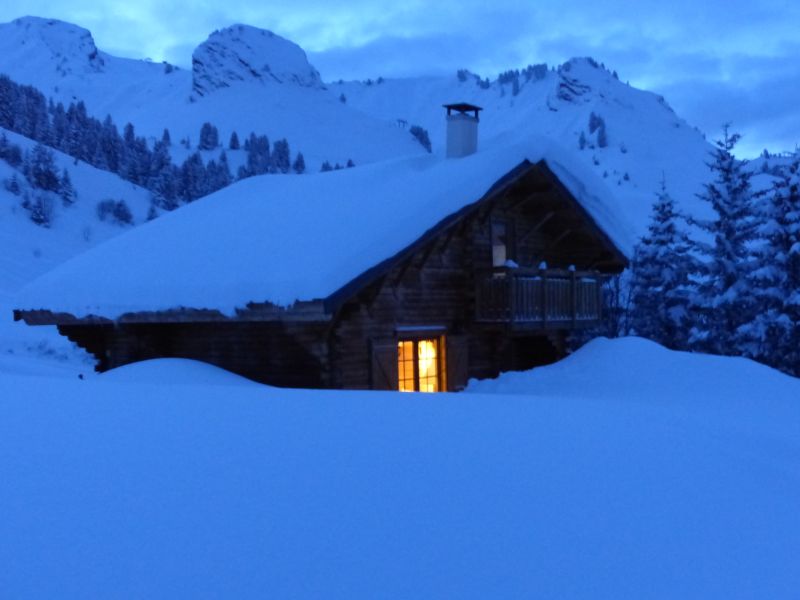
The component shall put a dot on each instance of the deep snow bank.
(602, 491)
(638, 368)
(174, 371)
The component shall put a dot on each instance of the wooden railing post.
(573, 291)
(512, 297)
(544, 298)
(599, 296)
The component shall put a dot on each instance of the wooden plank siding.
(436, 287)
(281, 354)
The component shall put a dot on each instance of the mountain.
(244, 53)
(243, 79)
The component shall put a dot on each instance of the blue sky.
(714, 60)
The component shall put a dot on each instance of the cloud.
(759, 96)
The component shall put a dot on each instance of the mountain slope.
(29, 249)
(282, 96)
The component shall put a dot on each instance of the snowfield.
(625, 471)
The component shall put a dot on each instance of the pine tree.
(209, 137)
(218, 174)
(774, 333)
(40, 208)
(129, 134)
(299, 165)
(234, 142)
(41, 169)
(110, 145)
(326, 166)
(12, 185)
(259, 159)
(660, 280)
(723, 302)
(166, 139)
(281, 159)
(66, 191)
(602, 137)
(194, 178)
(422, 136)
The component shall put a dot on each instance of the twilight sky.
(714, 60)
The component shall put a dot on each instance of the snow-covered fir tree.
(421, 136)
(40, 169)
(773, 336)
(194, 180)
(40, 208)
(660, 280)
(66, 190)
(259, 159)
(281, 159)
(723, 301)
(299, 164)
(209, 137)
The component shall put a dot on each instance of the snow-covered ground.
(626, 471)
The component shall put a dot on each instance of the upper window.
(499, 243)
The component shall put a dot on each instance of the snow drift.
(605, 491)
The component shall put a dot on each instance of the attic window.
(419, 365)
(499, 243)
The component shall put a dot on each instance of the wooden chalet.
(493, 286)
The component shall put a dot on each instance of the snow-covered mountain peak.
(245, 53)
(50, 44)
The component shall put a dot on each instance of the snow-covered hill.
(29, 250)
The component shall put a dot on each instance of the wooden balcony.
(539, 299)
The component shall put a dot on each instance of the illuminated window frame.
(412, 353)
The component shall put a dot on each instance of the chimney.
(462, 129)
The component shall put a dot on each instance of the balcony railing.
(539, 297)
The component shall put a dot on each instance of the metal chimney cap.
(463, 108)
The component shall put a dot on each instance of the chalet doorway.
(420, 364)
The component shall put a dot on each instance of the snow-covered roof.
(283, 239)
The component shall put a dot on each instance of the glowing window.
(419, 365)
